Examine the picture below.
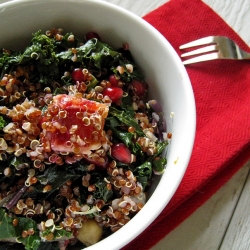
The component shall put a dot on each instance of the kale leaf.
(20, 160)
(92, 52)
(7, 58)
(38, 60)
(127, 76)
(11, 233)
(54, 175)
(143, 173)
(125, 118)
(127, 139)
(2, 122)
(102, 192)
(98, 55)
(31, 242)
(159, 162)
(160, 147)
(159, 165)
(8, 231)
(41, 54)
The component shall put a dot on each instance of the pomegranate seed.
(114, 93)
(77, 75)
(139, 87)
(91, 35)
(121, 153)
(113, 80)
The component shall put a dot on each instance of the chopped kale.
(12, 233)
(126, 119)
(47, 63)
(55, 176)
(2, 122)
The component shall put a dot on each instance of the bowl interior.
(167, 78)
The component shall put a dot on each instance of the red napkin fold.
(222, 95)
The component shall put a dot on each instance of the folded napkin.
(222, 95)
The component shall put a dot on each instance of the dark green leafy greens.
(54, 176)
(20, 160)
(2, 122)
(13, 233)
(97, 55)
(102, 191)
(44, 62)
(45, 56)
(58, 234)
(92, 51)
(39, 59)
(125, 118)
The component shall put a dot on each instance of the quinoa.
(79, 142)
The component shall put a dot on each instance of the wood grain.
(238, 232)
(205, 229)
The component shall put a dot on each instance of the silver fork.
(217, 47)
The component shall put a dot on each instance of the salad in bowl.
(80, 142)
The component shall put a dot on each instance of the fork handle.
(242, 54)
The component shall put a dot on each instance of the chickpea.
(90, 232)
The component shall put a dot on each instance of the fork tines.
(201, 41)
(212, 47)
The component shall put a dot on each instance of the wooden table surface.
(223, 222)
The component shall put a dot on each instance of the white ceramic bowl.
(167, 78)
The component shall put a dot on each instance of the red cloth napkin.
(222, 94)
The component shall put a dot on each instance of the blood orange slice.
(75, 125)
